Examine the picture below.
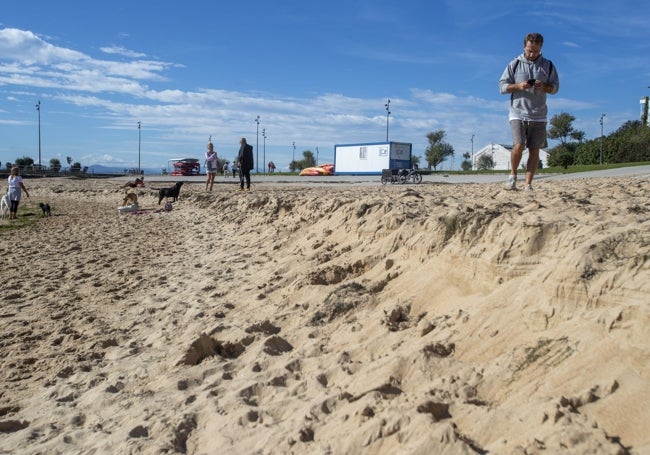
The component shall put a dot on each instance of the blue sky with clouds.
(316, 73)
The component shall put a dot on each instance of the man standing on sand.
(245, 159)
(528, 79)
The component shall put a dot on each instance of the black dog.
(170, 192)
(46, 209)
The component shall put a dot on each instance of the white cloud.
(119, 50)
(24, 46)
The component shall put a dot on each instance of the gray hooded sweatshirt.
(529, 104)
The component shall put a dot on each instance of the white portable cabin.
(371, 158)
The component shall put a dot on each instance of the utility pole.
(139, 140)
(38, 108)
(387, 106)
(472, 140)
(264, 155)
(601, 137)
(257, 145)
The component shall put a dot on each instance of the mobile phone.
(531, 81)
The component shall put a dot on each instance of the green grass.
(588, 168)
(548, 170)
(27, 216)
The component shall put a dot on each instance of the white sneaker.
(511, 183)
(529, 187)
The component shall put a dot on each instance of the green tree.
(628, 144)
(485, 162)
(466, 165)
(438, 150)
(55, 164)
(308, 160)
(562, 128)
(563, 155)
(415, 161)
(25, 161)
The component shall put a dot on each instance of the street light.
(294, 155)
(257, 145)
(472, 140)
(601, 137)
(38, 108)
(139, 141)
(387, 106)
(264, 155)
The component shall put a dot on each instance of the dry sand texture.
(447, 319)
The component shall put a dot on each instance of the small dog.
(130, 198)
(4, 206)
(45, 208)
(170, 192)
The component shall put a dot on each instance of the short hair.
(243, 140)
(15, 170)
(535, 38)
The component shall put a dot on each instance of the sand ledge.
(330, 320)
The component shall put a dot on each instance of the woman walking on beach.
(211, 160)
(15, 187)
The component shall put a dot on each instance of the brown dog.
(130, 198)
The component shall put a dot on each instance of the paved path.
(365, 180)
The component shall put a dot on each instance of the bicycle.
(400, 176)
(406, 175)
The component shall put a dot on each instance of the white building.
(501, 156)
(644, 110)
(371, 158)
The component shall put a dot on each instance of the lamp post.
(257, 145)
(264, 155)
(472, 141)
(139, 141)
(293, 159)
(601, 137)
(387, 106)
(38, 108)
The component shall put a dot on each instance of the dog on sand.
(170, 192)
(4, 206)
(45, 208)
(130, 198)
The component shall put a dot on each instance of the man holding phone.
(528, 79)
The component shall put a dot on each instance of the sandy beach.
(328, 319)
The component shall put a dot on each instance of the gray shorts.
(531, 134)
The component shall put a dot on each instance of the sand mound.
(451, 319)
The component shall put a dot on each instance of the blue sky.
(316, 73)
